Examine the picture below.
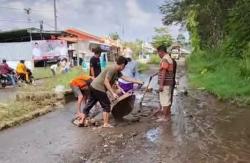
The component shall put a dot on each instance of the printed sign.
(49, 49)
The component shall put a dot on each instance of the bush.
(155, 59)
(244, 65)
(219, 75)
(142, 67)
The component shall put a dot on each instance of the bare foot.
(163, 119)
(157, 112)
(107, 126)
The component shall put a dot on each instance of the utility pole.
(55, 16)
(41, 25)
(41, 28)
(28, 11)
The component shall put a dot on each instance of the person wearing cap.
(130, 70)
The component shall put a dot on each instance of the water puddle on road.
(153, 134)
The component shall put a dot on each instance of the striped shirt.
(169, 65)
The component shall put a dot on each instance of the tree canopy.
(212, 23)
(114, 36)
(161, 37)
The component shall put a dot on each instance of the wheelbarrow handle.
(150, 79)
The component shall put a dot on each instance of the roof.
(23, 35)
(84, 36)
(111, 42)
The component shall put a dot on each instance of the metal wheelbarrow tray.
(123, 105)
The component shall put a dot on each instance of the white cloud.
(129, 17)
(136, 15)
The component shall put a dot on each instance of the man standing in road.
(95, 70)
(166, 81)
(131, 71)
(103, 83)
(95, 66)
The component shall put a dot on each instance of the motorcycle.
(5, 80)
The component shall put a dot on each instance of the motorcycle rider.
(24, 73)
(5, 70)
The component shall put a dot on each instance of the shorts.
(97, 96)
(77, 91)
(166, 96)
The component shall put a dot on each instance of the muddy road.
(202, 129)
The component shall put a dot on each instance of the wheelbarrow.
(123, 105)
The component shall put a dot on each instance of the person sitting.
(23, 72)
(7, 71)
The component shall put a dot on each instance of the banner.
(49, 49)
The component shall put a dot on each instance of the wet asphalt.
(201, 129)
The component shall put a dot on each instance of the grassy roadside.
(45, 81)
(35, 100)
(16, 112)
(143, 67)
(220, 76)
(154, 60)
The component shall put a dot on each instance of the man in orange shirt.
(79, 86)
(166, 81)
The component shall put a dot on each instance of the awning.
(24, 35)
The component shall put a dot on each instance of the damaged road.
(202, 129)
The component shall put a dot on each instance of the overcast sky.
(130, 18)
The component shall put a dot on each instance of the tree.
(114, 36)
(181, 39)
(205, 20)
(135, 46)
(161, 37)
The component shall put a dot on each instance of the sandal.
(77, 123)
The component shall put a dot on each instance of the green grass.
(24, 107)
(41, 72)
(45, 81)
(62, 79)
(36, 97)
(143, 67)
(220, 76)
(155, 59)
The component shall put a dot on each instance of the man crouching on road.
(102, 84)
(166, 81)
(80, 88)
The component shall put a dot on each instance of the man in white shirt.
(36, 52)
(131, 71)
